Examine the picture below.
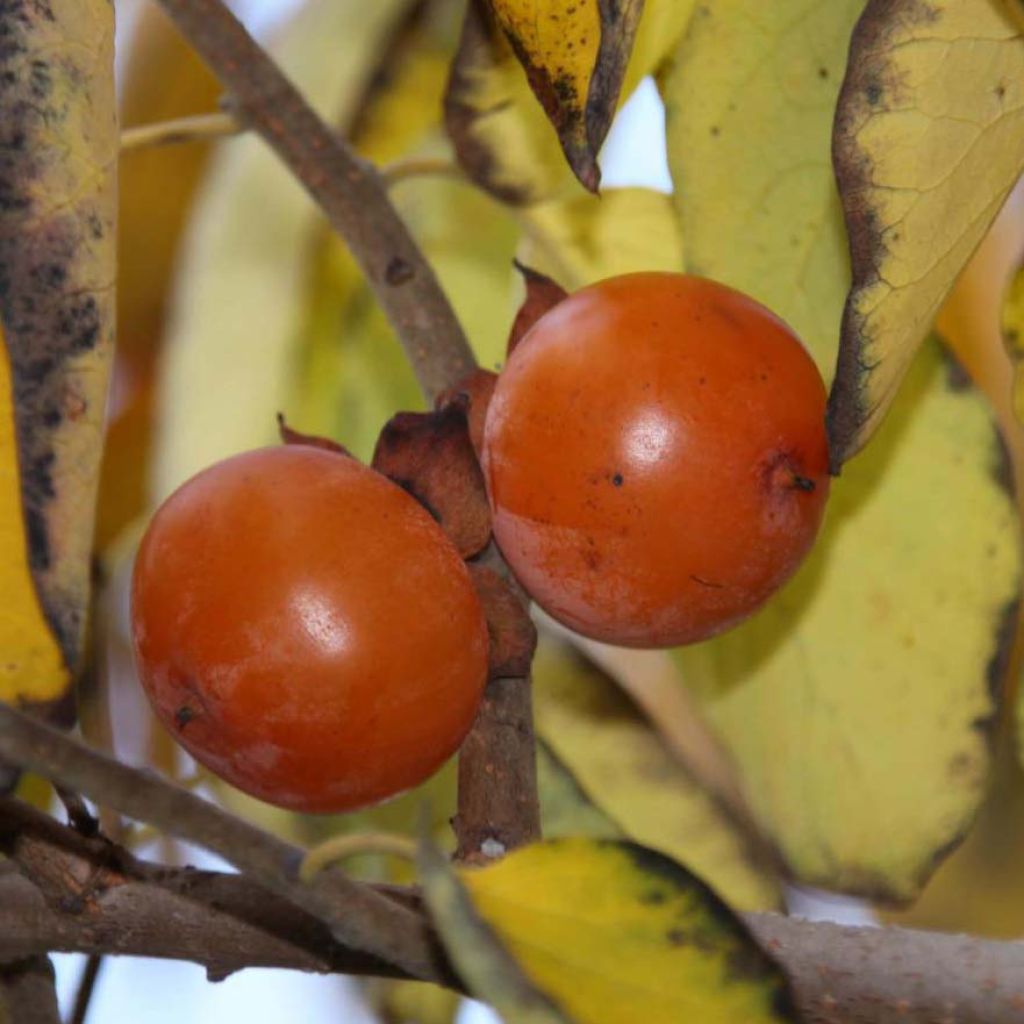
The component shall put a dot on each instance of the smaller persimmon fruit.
(656, 459)
(306, 630)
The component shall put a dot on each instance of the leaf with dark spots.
(474, 393)
(915, 215)
(430, 455)
(57, 211)
(575, 56)
(542, 295)
(291, 436)
(610, 950)
(512, 632)
(487, 100)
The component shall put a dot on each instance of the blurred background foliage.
(236, 302)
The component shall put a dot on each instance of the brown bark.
(357, 916)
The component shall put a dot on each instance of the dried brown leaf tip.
(430, 455)
(512, 632)
(542, 295)
(474, 393)
(290, 436)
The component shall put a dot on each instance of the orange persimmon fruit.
(656, 459)
(306, 630)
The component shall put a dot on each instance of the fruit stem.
(342, 847)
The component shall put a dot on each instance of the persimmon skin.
(656, 458)
(305, 630)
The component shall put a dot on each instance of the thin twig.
(339, 848)
(195, 128)
(86, 988)
(358, 916)
(349, 190)
(420, 167)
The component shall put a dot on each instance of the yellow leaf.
(500, 133)
(615, 933)
(858, 703)
(57, 208)
(575, 54)
(501, 137)
(1013, 333)
(749, 103)
(1015, 8)
(625, 769)
(411, 1002)
(564, 807)
(929, 140)
(239, 305)
(579, 241)
(487, 969)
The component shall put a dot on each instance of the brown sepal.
(542, 295)
(512, 632)
(474, 393)
(430, 455)
(290, 436)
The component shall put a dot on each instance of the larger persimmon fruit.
(656, 459)
(306, 630)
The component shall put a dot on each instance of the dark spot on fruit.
(873, 92)
(823, 73)
(803, 483)
(617, 479)
(676, 937)
(715, 131)
(183, 716)
(707, 583)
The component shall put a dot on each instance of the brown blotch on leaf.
(290, 436)
(542, 295)
(473, 393)
(512, 632)
(481, 52)
(431, 456)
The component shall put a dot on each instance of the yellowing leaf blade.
(1013, 333)
(581, 240)
(860, 702)
(501, 135)
(615, 933)
(929, 140)
(575, 54)
(57, 193)
(479, 956)
(624, 768)
(749, 103)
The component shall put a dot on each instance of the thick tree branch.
(87, 896)
(27, 993)
(79, 894)
(354, 197)
(350, 191)
(358, 916)
(844, 975)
